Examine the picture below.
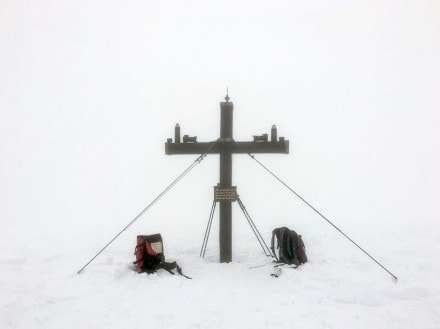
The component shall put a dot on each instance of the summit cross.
(226, 146)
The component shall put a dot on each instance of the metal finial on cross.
(226, 146)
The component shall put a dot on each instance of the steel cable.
(320, 214)
(169, 187)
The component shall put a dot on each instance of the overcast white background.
(90, 90)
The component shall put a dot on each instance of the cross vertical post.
(226, 138)
(226, 146)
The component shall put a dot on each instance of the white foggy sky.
(90, 90)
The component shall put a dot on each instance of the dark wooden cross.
(226, 146)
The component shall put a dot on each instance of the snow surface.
(89, 92)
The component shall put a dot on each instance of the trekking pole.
(325, 218)
(174, 182)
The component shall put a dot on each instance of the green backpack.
(290, 248)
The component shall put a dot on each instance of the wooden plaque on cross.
(226, 146)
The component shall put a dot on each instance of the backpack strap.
(301, 250)
(171, 266)
(284, 240)
(179, 270)
(288, 250)
(272, 245)
(293, 247)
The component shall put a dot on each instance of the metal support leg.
(208, 230)
(260, 239)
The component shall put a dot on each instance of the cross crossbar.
(233, 147)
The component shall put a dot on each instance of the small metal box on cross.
(226, 146)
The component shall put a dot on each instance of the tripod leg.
(260, 239)
(208, 230)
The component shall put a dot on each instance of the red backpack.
(150, 256)
(149, 252)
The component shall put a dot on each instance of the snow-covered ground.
(338, 288)
(89, 92)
